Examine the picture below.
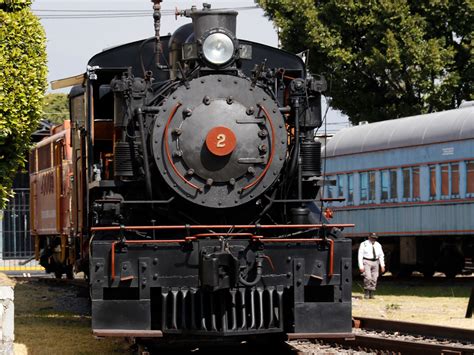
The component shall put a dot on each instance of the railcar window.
(445, 180)
(364, 185)
(350, 188)
(384, 175)
(44, 157)
(432, 182)
(416, 183)
(393, 184)
(470, 177)
(330, 189)
(372, 185)
(455, 179)
(340, 185)
(406, 183)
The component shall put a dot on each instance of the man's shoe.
(371, 294)
(367, 294)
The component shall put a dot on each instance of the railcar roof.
(431, 128)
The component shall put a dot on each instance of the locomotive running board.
(346, 336)
(127, 333)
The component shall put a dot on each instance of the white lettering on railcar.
(447, 151)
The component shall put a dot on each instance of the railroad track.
(407, 338)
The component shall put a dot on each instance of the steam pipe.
(146, 165)
(297, 146)
(258, 277)
(157, 21)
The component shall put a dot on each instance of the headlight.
(218, 48)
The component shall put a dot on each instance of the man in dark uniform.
(371, 257)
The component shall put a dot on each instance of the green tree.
(384, 58)
(56, 108)
(22, 84)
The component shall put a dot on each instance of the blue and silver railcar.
(411, 180)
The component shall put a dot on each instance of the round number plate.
(221, 141)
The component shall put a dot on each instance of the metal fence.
(16, 244)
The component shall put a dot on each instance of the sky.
(73, 39)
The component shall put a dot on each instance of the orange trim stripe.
(402, 166)
(440, 233)
(402, 204)
(168, 155)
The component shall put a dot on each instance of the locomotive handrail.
(223, 226)
(133, 202)
(295, 200)
(206, 235)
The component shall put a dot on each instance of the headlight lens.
(218, 48)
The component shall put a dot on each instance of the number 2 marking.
(220, 140)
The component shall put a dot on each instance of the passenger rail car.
(195, 172)
(410, 180)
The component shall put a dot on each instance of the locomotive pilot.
(370, 258)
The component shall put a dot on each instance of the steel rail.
(403, 346)
(425, 330)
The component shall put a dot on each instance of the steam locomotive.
(190, 188)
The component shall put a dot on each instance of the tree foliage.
(384, 58)
(56, 108)
(22, 84)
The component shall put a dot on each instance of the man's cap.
(373, 235)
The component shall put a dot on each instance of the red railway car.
(50, 204)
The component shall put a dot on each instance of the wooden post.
(470, 305)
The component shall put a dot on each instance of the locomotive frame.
(226, 242)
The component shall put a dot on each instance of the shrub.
(22, 85)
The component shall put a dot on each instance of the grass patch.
(417, 301)
(40, 328)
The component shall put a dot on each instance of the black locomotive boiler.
(195, 179)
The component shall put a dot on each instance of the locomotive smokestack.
(207, 19)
